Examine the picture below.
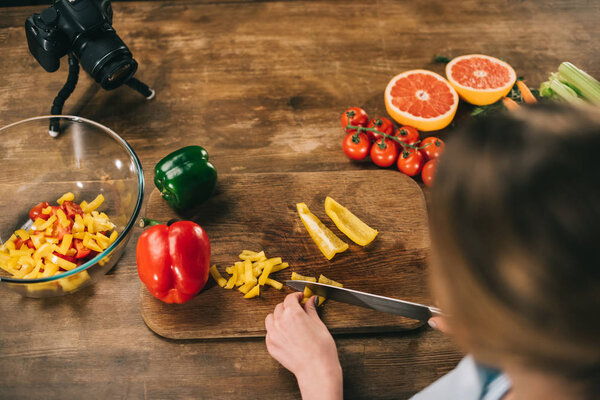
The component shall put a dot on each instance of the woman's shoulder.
(468, 381)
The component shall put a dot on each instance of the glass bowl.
(86, 159)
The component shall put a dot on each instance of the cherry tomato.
(354, 116)
(36, 211)
(355, 146)
(407, 134)
(428, 172)
(410, 162)
(61, 231)
(71, 209)
(432, 147)
(82, 251)
(384, 157)
(382, 125)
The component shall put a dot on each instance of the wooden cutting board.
(258, 212)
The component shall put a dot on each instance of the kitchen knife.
(380, 303)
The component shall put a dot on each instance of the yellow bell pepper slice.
(255, 291)
(327, 241)
(245, 288)
(65, 245)
(22, 233)
(232, 280)
(279, 267)
(274, 283)
(327, 281)
(348, 223)
(214, 272)
(66, 197)
(91, 206)
(298, 277)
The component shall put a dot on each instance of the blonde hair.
(515, 229)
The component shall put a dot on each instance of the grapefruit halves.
(480, 79)
(422, 99)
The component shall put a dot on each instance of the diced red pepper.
(82, 251)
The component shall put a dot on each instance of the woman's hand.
(300, 341)
(439, 323)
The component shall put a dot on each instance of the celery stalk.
(580, 81)
(564, 91)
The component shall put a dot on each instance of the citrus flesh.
(422, 99)
(480, 79)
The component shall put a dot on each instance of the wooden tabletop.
(261, 86)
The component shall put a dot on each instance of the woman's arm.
(300, 341)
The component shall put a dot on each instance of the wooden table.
(261, 85)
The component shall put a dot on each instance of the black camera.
(84, 29)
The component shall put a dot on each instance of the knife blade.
(390, 305)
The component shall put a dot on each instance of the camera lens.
(105, 57)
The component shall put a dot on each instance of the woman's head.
(516, 231)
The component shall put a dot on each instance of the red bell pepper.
(173, 261)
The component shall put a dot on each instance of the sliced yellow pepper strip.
(66, 197)
(93, 204)
(47, 210)
(252, 256)
(350, 225)
(245, 288)
(327, 281)
(279, 267)
(22, 233)
(255, 291)
(61, 262)
(71, 283)
(327, 241)
(269, 264)
(65, 244)
(248, 273)
(231, 282)
(274, 283)
(214, 272)
(298, 277)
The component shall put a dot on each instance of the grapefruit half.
(422, 99)
(480, 79)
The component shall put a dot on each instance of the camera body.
(83, 28)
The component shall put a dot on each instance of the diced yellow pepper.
(88, 220)
(274, 283)
(91, 244)
(248, 275)
(66, 197)
(62, 218)
(26, 260)
(41, 225)
(37, 240)
(307, 294)
(50, 269)
(78, 224)
(83, 204)
(325, 239)
(71, 283)
(44, 251)
(255, 291)
(61, 262)
(22, 233)
(72, 252)
(231, 270)
(47, 210)
(268, 268)
(279, 267)
(65, 244)
(19, 253)
(214, 272)
(232, 280)
(240, 270)
(113, 236)
(245, 288)
(34, 272)
(327, 281)
(252, 256)
(298, 277)
(93, 204)
(102, 240)
(350, 225)
(78, 235)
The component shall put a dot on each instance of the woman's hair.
(516, 237)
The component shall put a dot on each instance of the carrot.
(510, 104)
(528, 97)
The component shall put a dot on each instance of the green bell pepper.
(185, 178)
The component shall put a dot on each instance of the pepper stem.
(144, 222)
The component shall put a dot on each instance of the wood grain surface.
(261, 86)
(258, 212)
